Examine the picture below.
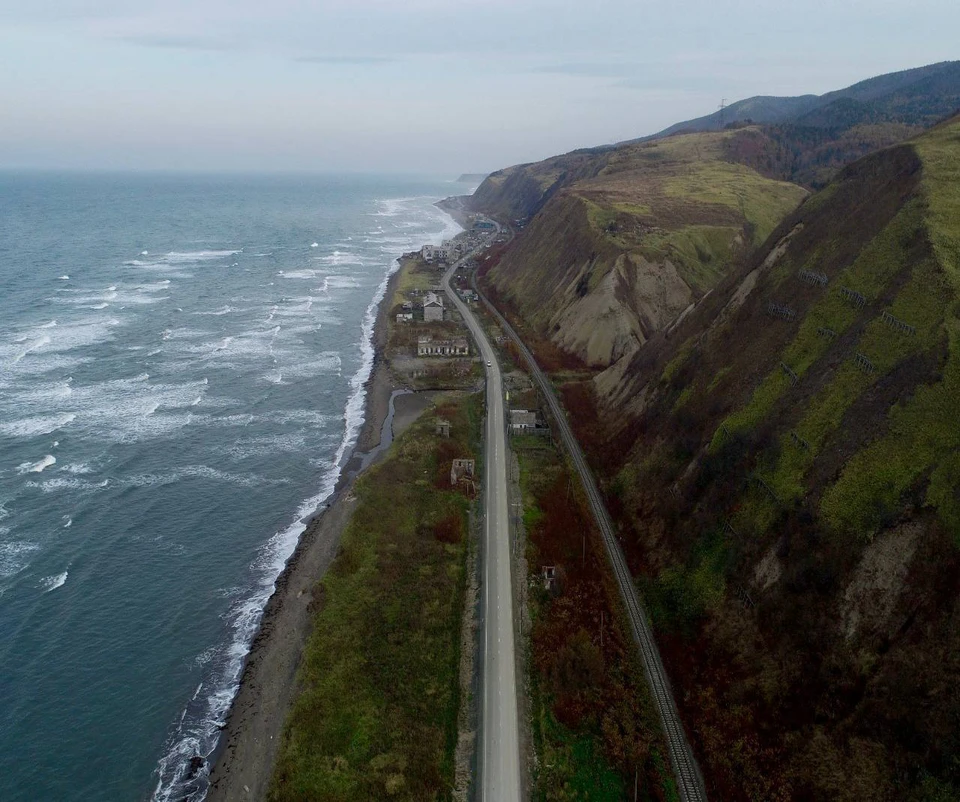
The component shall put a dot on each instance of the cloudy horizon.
(423, 86)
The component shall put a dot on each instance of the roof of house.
(523, 417)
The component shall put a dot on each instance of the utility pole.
(723, 109)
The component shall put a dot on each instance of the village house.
(443, 428)
(523, 421)
(427, 346)
(432, 308)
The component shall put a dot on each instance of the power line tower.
(723, 109)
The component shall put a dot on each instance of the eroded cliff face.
(626, 240)
(780, 453)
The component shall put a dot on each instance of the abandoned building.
(432, 308)
(549, 574)
(443, 428)
(461, 469)
(434, 253)
(427, 346)
(522, 419)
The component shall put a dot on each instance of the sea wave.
(15, 557)
(199, 727)
(37, 467)
(32, 427)
(49, 583)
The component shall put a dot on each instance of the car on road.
(489, 363)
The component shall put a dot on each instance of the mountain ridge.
(782, 464)
(884, 93)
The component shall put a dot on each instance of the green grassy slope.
(790, 493)
(650, 229)
(376, 714)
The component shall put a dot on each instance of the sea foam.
(49, 583)
(37, 467)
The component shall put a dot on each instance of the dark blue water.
(181, 369)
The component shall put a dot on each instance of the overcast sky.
(443, 86)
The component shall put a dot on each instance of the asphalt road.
(499, 732)
(690, 785)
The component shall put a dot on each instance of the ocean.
(182, 362)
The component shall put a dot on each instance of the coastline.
(241, 766)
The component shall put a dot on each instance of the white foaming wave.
(314, 244)
(156, 286)
(200, 472)
(393, 207)
(36, 345)
(298, 274)
(314, 367)
(125, 410)
(297, 307)
(64, 278)
(67, 521)
(133, 296)
(78, 468)
(67, 336)
(198, 734)
(45, 397)
(164, 269)
(309, 417)
(404, 242)
(244, 419)
(15, 556)
(32, 427)
(223, 310)
(184, 333)
(64, 483)
(338, 258)
(253, 345)
(37, 467)
(187, 257)
(342, 282)
(265, 445)
(39, 364)
(49, 583)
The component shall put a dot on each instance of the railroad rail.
(690, 785)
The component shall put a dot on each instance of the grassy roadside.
(376, 716)
(594, 726)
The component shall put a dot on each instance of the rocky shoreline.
(242, 765)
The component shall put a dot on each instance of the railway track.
(690, 785)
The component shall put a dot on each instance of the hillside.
(783, 464)
(920, 96)
(624, 240)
